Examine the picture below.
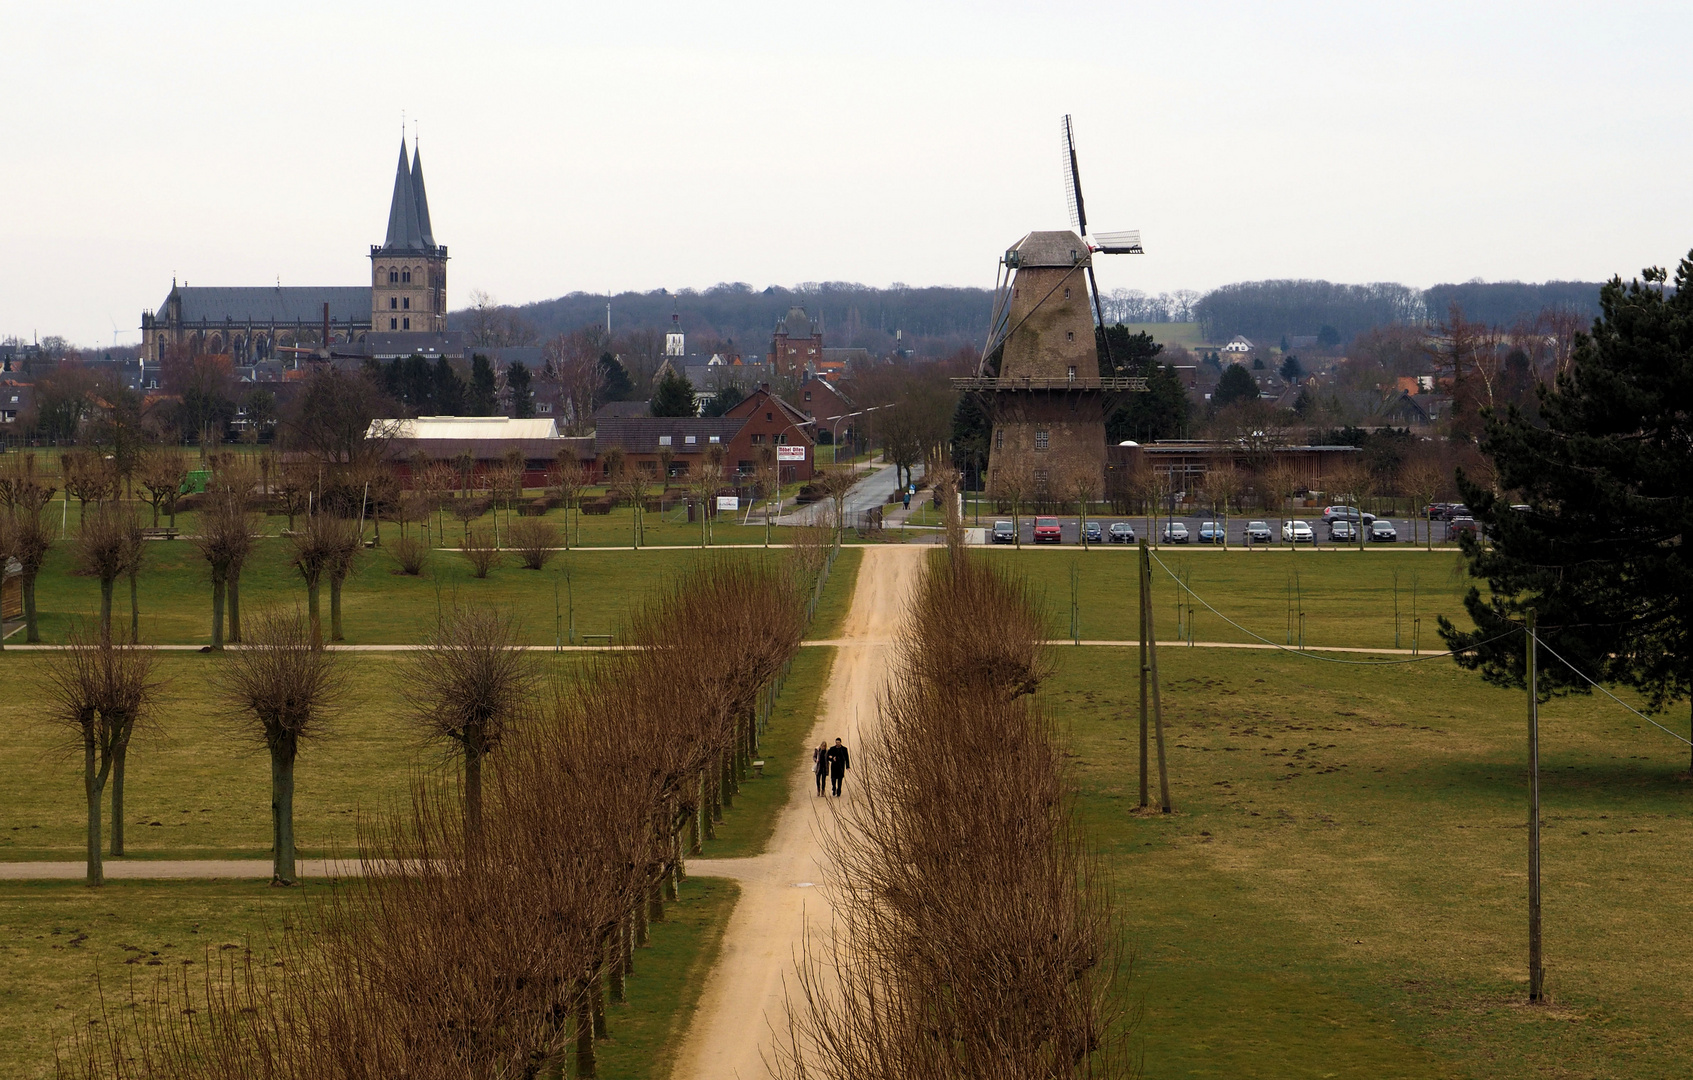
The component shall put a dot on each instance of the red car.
(1047, 531)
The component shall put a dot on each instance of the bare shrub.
(481, 552)
(411, 553)
(534, 540)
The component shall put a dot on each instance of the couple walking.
(832, 762)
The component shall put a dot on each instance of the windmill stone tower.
(1039, 379)
(1048, 402)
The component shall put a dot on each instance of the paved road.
(872, 491)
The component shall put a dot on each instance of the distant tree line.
(1272, 311)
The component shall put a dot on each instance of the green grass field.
(591, 590)
(1342, 890)
(1171, 333)
(64, 945)
(1347, 597)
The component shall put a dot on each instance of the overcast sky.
(634, 146)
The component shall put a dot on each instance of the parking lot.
(1236, 530)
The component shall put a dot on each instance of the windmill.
(1039, 379)
(1126, 242)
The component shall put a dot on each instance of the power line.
(1613, 697)
(1312, 655)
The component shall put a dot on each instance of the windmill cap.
(1064, 249)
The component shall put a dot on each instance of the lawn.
(55, 938)
(1342, 891)
(1347, 597)
(584, 591)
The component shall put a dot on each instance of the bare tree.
(100, 691)
(1081, 483)
(1422, 478)
(568, 479)
(283, 690)
(88, 477)
(1011, 483)
(162, 472)
(1222, 485)
(704, 483)
(347, 538)
(315, 548)
(225, 539)
(467, 686)
(32, 539)
(103, 550)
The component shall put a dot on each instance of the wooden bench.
(758, 766)
(589, 638)
(159, 534)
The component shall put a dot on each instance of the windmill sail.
(1073, 180)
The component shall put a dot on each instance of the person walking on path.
(838, 765)
(820, 764)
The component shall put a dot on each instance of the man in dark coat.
(838, 765)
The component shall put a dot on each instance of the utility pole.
(1151, 640)
(1144, 671)
(1536, 972)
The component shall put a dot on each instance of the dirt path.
(745, 998)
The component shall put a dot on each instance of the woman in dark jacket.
(820, 764)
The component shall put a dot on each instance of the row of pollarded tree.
(491, 921)
(973, 934)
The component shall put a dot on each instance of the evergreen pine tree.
(447, 391)
(1236, 384)
(518, 381)
(1601, 552)
(614, 381)
(673, 396)
(484, 391)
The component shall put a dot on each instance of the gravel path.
(745, 996)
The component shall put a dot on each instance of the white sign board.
(790, 453)
(728, 502)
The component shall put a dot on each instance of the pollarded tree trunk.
(119, 754)
(106, 584)
(596, 994)
(335, 608)
(585, 1065)
(314, 585)
(92, 782)
(134, 608)
(473, 754)
(640, 914)
(626, 946)
(282, 755)
(32, 629)
(235, 605)
(614, 970)
(218, 587)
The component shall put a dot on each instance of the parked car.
(1346, 513)
(1382, 532)
(1456, 511)
(1092, 531)
(1342, 531)
(1048, 531)
(1121, 532)
(1460, 525)
(1210, 532)
(1004, 532)
(1175, 533)
(1298, 532)
(1258, 532)
(1437, 511)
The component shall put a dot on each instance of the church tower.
(408, 272)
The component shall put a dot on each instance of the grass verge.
(1342, 890)
(831, 611)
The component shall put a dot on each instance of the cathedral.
(407, 295)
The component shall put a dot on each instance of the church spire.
(420, 201)
(403, 232)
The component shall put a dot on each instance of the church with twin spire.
(403, 310)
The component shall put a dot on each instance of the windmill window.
(1066, 292)
(1040, 439)
(999, 439)
(1069, 335)
(1072, 372)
